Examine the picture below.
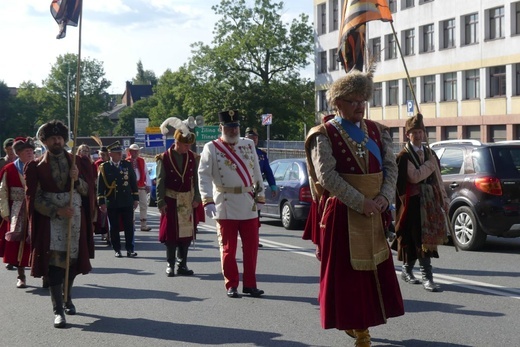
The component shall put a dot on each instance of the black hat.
(8, 142)
(21, 143)
(53, 128)
(229, 118)
(114, 147)
(103, 149)
(251, 131)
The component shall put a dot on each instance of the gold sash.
(368, 245)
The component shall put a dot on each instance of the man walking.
(118, 196)
(48, 190)
(231, 188)
(177, 198)
(143, 182)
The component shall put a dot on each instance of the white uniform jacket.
(230, 177)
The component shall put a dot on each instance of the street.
(131, 302)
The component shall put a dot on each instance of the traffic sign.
(267, 119)
(153, 140)
(409, 107)
(207, 133)
(153, 130)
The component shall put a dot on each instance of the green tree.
(144, 77)
(93, 98)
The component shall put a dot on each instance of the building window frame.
(392, 92)
(335, 15)
(472, 84)
(377, 95)
(448, 33)
(392, 5)
(391, 47)
(450, 86)
(497, 81)
(407, 4)
(496, 23)
(471, 29)
(375, 46)
(428, 88)
(428, 32)
(409, 42)
(407, 93)
(322, 18)
(333, 56)
(323, 61)
(322, 101)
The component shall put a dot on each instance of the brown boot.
(362, 338)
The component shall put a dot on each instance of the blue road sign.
(153, 140)
(139, 137)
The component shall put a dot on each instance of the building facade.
(463, 62)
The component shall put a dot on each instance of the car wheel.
(288, 220)
(467, 233)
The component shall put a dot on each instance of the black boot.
(407, 273)
(57, 305)
(427, 275)
(182, 258)
(170, 258)
(70, 309)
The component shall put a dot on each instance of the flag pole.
(74, 145)
(438, 177)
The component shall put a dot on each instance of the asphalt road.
(131, 302)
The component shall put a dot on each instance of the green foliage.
(144, 77)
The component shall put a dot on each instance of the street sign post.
(207, 133)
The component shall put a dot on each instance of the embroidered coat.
(224, 168)
(117, 186)
(175, 178)
(349, 299)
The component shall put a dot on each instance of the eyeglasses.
(355, 103)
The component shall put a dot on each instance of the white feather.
(169, 126)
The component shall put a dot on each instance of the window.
(516, 18)
(448, 33)
(424, 1)
(281, 171)
(472, 132)
(497, 81)
(392, 5)
(391, 47)
(392, 92)
(375, 46)
(323, 62)
(472, 84)
(497, 133)
(428, 88)
(409, 42)
(407, 4)
(322, 19)
(450, 86)
(471, 29)
(333, 56)
(517, 79)
(322, 101)
(427, 35)
(377, 95)
(335, 15)
(496, 23)
(451, 161)
(408, 96)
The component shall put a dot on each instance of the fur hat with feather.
(180, 131)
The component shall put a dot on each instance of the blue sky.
(117, 33)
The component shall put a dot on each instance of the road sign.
(409, 107)
(267, 119)
(153, 130)
(153, 140)
(139, 137)
(140, 124)
(207, 133)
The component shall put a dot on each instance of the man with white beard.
(231, 188)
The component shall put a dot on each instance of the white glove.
(210, 211)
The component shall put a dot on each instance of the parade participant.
(10, 155)
(118, 196)
(84, 151)
(103, 156)
(420, 193)
(143, 182)
(231, 188)
(49, 180)
(13, 209)
(263, 160)
(101, 223)
(177, 199)
(352, 172)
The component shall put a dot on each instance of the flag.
(355, 15)
(65, 12)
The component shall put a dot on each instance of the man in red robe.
(178, 197)
(49, 180)
(353, 173)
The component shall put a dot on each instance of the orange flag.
(355, 14)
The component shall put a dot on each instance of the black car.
(293, 199)
(482, 181)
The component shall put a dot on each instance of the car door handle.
(454, 185)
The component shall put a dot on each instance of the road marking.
(444, 279)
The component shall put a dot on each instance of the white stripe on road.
(444, 279)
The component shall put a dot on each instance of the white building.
(463, 58)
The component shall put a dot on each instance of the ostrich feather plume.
(171, 124)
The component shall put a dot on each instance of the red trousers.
(227, 232)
